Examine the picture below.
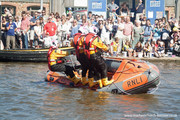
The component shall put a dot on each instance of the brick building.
(18, 6)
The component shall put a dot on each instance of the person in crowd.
(62, 31)
(112, 7)
(143, 21)
(93, 21)
(128, 29)
(171, 24)
(154, 47)
(161, 49)
(11, 29)
(139, 9)
(176, 23)
(176, 50)
(138, 49)
(137, 34)
(32, 24)
(56, 15)
(114, 47)
(165, 37)
(69, 11)
(141, 17)
(105, 33)
(89, 15)
(161, 23)
(147, 32)
(70, 17)
(156, 23)
(63, 16)
(119, 33)
(96, 61)
(68, 24)
(78, 18)
(127, 48)
(42, 23)
(57, 63)
(84, 28)
(50, 29)
(18, 32)
(110, 23)
(74, 28)
(58, 21)
(146, 49)
(91, 27)
(28, 15)
(164, 21)
(25, 26)
(84, 17)
(175, 32)
(156, 31)
(172, 43)
(124, 11)
(52, 17)
(38, 30)
(3, 31)
(44, 16)
(39, 13)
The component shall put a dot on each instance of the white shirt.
(84, 29)
(38, 30)
(62, 28)
(92, 29)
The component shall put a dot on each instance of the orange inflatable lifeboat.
(130, 77)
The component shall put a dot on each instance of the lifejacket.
(76, 42)
(87, 45)
(58, 60)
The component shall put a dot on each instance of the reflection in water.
(25, 95)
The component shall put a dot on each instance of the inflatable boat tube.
(130, 77)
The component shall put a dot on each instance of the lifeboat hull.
(130, 77)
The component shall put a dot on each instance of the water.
(25, 96)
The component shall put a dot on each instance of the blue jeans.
(25, 40)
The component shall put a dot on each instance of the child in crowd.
(175, 46)
(138, 49)
(154, 47)
(172, 43)
(161, 49)
(146, 49)
(114, 47)
(127, 47)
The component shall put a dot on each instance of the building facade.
(18, 6)
(61, 6)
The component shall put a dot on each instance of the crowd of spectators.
(134, 39)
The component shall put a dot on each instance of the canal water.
(24, 95)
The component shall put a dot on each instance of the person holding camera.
(11, 29)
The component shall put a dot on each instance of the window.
(34, 8)
(11, 9)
